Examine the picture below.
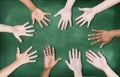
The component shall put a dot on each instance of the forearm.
(77, 73)
(104, 5)
(9, 69)
(29, 4)
(115, 33)
(69, 4)
(109, 72)
(45, 73)
(6, 28)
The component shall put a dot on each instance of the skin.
(21, 59)
(49, 61)
(18, 30)
(75, 62)
(99, 61)
(89, 13)
(66, 15)
(103, 36)
(37, 13)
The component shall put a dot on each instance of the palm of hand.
(49, 61)
(65, 14)
(75, 64)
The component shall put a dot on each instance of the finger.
(66, 23)
(83, 23)
(81, 9)
(88, 24)
(28, 31)
(32, 53)
(47, 19)
(32, 57)
(18, 51)
(93, 38)
(70, 22)
(47, 13)
(96, 42)
(63, 24)
(31, 61)
(70, 55)
(76, 53)
(49, 50)
(89, 56)
(60, 23)
(28, 34)
(56, 14)
(53, 51)
(44, 22)
(33, 19)
(80, 21)
(101, 46)
(73, 54)
(89, 61)
(67, 63)
(28, 27)
(94, 30)
(79, 17)
(44, 53)
(40, 24)
(100, 54)
(79, 57)
(19, 39)
(26, 24)
(90, 51)
(94, 34)
(27, 50)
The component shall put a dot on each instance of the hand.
(21, 30)
(26, 57)
(87, 16)
(49, 58)
(39, 15)
(75, 60)
(97, 61)
(65, 18)
(102, 36)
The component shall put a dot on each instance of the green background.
(13, 12)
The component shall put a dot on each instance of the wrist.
(94, 11)
(112, 33)
(78, 73)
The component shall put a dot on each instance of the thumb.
(33, 20)
(19, 39)
(81, 9)
(58, 60)
(56, 14)
(18, 51)
(67, 63)
(101, 46)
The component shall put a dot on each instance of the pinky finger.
(89, 61)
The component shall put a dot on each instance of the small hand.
(49, 58)
(87, 16)
(39, 15)
(21, 30)
(102, 36)
(26, 57)
(75, 60)
(97, 61)
(65, 18)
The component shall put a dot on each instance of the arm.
(89, 13)
(100, 62)
(103, 36)
(37, 14)
(18, 30)
(49, 61)
(66, 15)
(75, 62)
(20, 60)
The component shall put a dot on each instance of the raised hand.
(49, 58)
(65, 18)
(21, 30)
(75, 60)
(87, 16)
(97, 60)
(40, 16)
(101, 36)
(26, 57)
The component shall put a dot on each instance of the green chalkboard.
(13, 12)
